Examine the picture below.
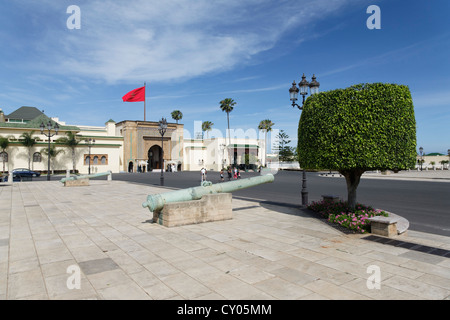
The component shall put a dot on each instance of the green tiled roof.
(36, 124)
(25, 113)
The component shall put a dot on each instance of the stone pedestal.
(76, 183)
(212, 207)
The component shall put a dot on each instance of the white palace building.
(125, 146)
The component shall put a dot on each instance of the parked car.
(25, 173)
(22, 174)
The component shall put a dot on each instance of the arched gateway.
(143, 142)
(154, 157)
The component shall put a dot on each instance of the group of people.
(232, 174)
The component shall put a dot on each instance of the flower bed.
(339, 213)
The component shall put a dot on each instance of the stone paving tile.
(390, 268)
(126, 291)
(293, 275)
(158, 290)
(418, 288)
(96, 266)
(282, 289)
(109, 278)
(186, 286)
(161, 269)
(57, 288)
(436, 281)
(334, 292)
(250, 274)
(27, 264)
(232, 288)
(24, 284)
(385, 292)
(264, 252)
(125, 261)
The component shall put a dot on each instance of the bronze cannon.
(88, 176)
(156, 202)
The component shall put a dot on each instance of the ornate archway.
(154, 157)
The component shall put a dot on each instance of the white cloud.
(434, 99)
(157, 41)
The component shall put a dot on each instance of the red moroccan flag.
(135, 95)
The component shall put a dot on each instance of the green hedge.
(364, 127)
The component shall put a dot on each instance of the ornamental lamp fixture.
(162, 127)
(314, 85)
(302, 88)
(293, 93)
(304, 85)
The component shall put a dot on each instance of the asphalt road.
(426, 205)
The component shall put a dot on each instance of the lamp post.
(49, 128)
(302, 88)
(89, 142)
(421, 157)
(162, 130)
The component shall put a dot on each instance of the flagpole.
(144, 98)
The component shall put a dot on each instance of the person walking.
(221, 175)
(229, 174)
(235, 173)
(203, 174)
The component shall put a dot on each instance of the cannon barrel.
(87, 176)
(156, 202)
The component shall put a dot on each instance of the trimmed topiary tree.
(357, 129)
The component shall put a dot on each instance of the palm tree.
(4, 144)
(206, 126)
(227, 105)
(70, 141)
(265, 125)
(177, 115)
(52, 153)
(28, 141)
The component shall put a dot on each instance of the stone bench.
(388, 226)
(384, 226)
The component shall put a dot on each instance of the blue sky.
(194, 53)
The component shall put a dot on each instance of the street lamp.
(90, 142)
(421, 157)
(162, 130)
(49, 135)
(302, 88)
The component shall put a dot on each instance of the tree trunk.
(29, 159)
(265, 149)
(229, 138)
(73, 160)
(352, 177)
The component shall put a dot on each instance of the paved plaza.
(50, 234)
